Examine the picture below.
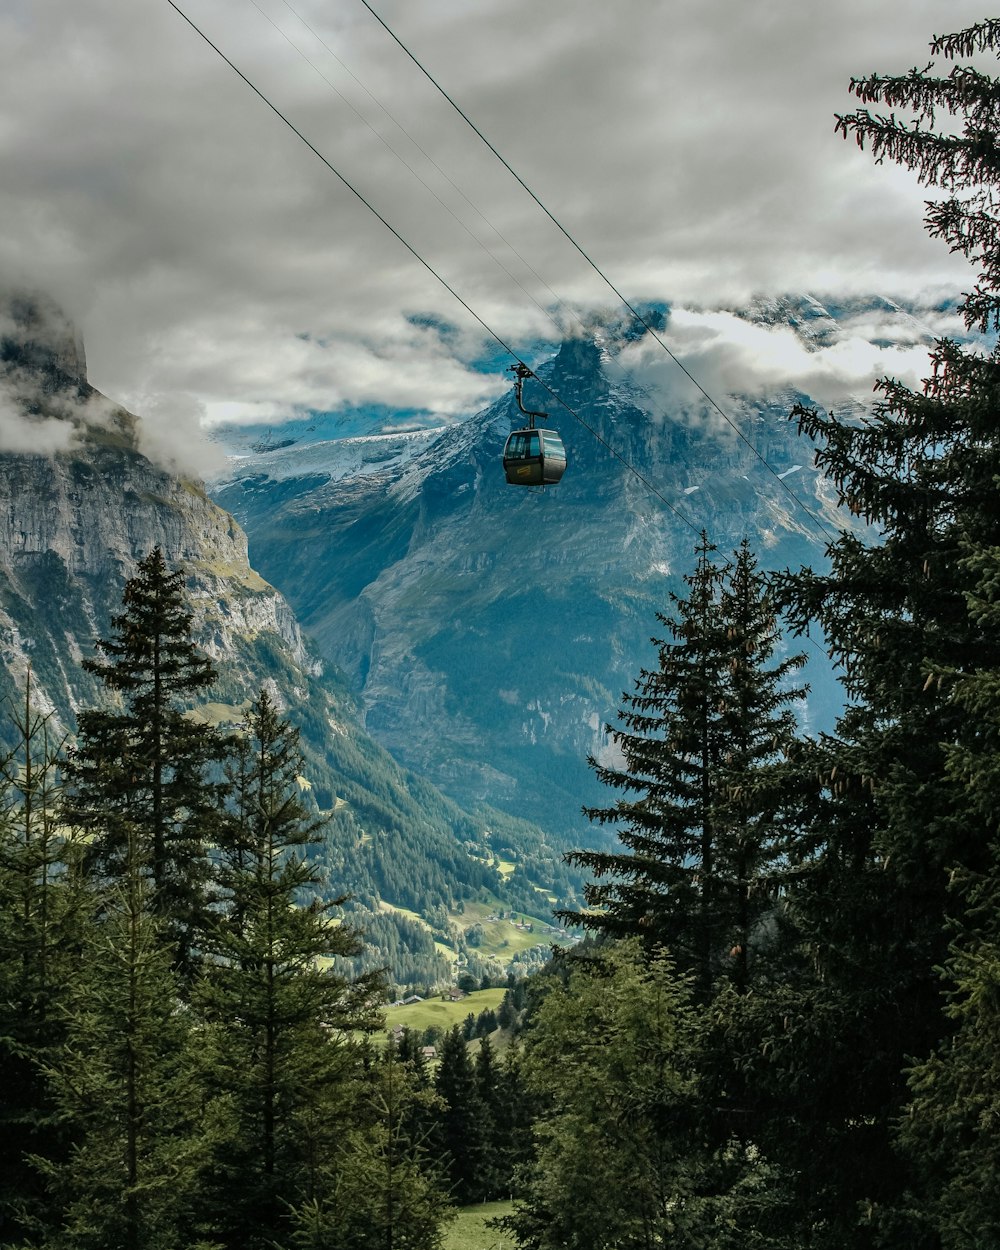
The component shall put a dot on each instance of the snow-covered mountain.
(490, 630)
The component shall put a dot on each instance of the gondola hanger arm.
(521, 371)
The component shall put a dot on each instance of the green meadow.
(470, 1230)
(440, 1014)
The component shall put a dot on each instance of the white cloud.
(171, 434)
(688, 146)
(730, 355)
(35, 420)
(35, 436)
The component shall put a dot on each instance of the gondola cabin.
(534, 457)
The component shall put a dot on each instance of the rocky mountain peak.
(36, 334)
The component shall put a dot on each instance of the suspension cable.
(600, 273)
(428, 266)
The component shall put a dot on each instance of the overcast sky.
(218, 269)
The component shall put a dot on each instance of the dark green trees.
(462, 1135)
(142, 768)
(914, 761)
(279, 1014)
(177, 1040)
(617, 1162)
(42, 927)
(701, 823)
(649, 1136)
(125, 1086)
(390, 1192)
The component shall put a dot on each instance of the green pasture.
(470, 1232)
(502, 938)
(436, 1013)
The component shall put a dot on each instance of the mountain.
(489, 630)
(80, 504)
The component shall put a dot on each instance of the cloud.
(733, 356)
(43, 436)
(171, 434)
(213, 261)
(34, 419)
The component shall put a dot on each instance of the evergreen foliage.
(389, 1190)
(616, 1144)
(42, 911)
(846, 1091)
(123, 1083)
(277, 1009)
(703, 838)
(217, 1098)
(141, 768)
(462, 1131)
(912, 834)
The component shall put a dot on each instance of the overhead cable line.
(596, 268)
(547, 312)
(426, 185)
(560, 303)
(432, 162)
(427, 265)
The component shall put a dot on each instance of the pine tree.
(619, 1159)
(909, 816)
(461, 1136)
(141, 768)
(701, 827)
(123, 1082)
(41, 933)
(513, 1111)
(386, 1189)
(277, 1011)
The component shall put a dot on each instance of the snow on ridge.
(360, 454)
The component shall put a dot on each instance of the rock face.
(75, 521)
(490, 630)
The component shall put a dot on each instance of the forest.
(187, 1048)
(782, 1027)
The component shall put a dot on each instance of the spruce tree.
(701, 827)
(386, 1189)
(42, 917)
(619, 1155)
(124, 1085)
(908, 820)
(277, 1010)
(461, 1136)
(143, 769)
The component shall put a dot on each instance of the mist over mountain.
(80, 505)
(489, 630)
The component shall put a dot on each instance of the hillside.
(74, 521)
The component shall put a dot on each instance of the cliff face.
(74, 522)
(76, 518)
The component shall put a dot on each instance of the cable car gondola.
(532, 457)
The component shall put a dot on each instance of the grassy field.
(442, 1015)
(469, 1231)
(502, 938)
